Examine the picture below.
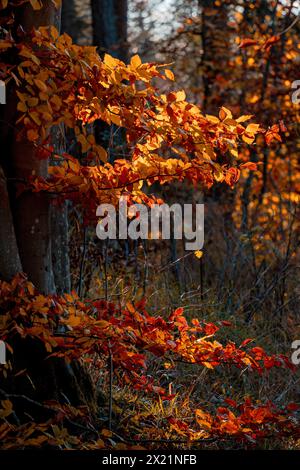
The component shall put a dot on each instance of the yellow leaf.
(218, 173)
(208, 365)
(244, 118)
(41, 85)
(252, 128)
(253, 99)
(35, 117)
(115, 119)
(85, 145)
(198, 254)
(101, 152)
(22, 107)
(110, 61)
(212, 119)
(180, 95)
(91, 139)
(53, 30)
(74, 166)
(73, 320)
(169, 74)
(32, 102)
(234, 152)
(102, 323)
(135, 61)
(5, 44)
(248, 140)
(30, 288)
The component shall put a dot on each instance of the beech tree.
(56, 340)
(31, 213)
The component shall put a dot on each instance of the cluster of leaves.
(168, 138)
(95, 330)
(52, 433)
(246, 421)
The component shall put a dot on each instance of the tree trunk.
(43, 378)
(59, 225)
(109, 19)
(32, 211)
(10, 263)
(69, 19)
(60, 248)
(110, 27)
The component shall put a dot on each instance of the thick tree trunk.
(32, 221)
(48, 15)
(10, 263)
(32, 211)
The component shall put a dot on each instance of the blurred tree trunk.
(69, 19)
(109, 20)
(216, 55)
(110, 27)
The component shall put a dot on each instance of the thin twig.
(111, 370)
(82, 263)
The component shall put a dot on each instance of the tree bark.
(10, 263)
(59, 225)
(60, 248)
(32, 211)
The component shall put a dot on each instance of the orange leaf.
(169, 74)
(249, 166)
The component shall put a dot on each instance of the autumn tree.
(29, 238)
(55, 85)
(31, 216)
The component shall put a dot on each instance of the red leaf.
(245, 342)
(247, 43)
(293, 407)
